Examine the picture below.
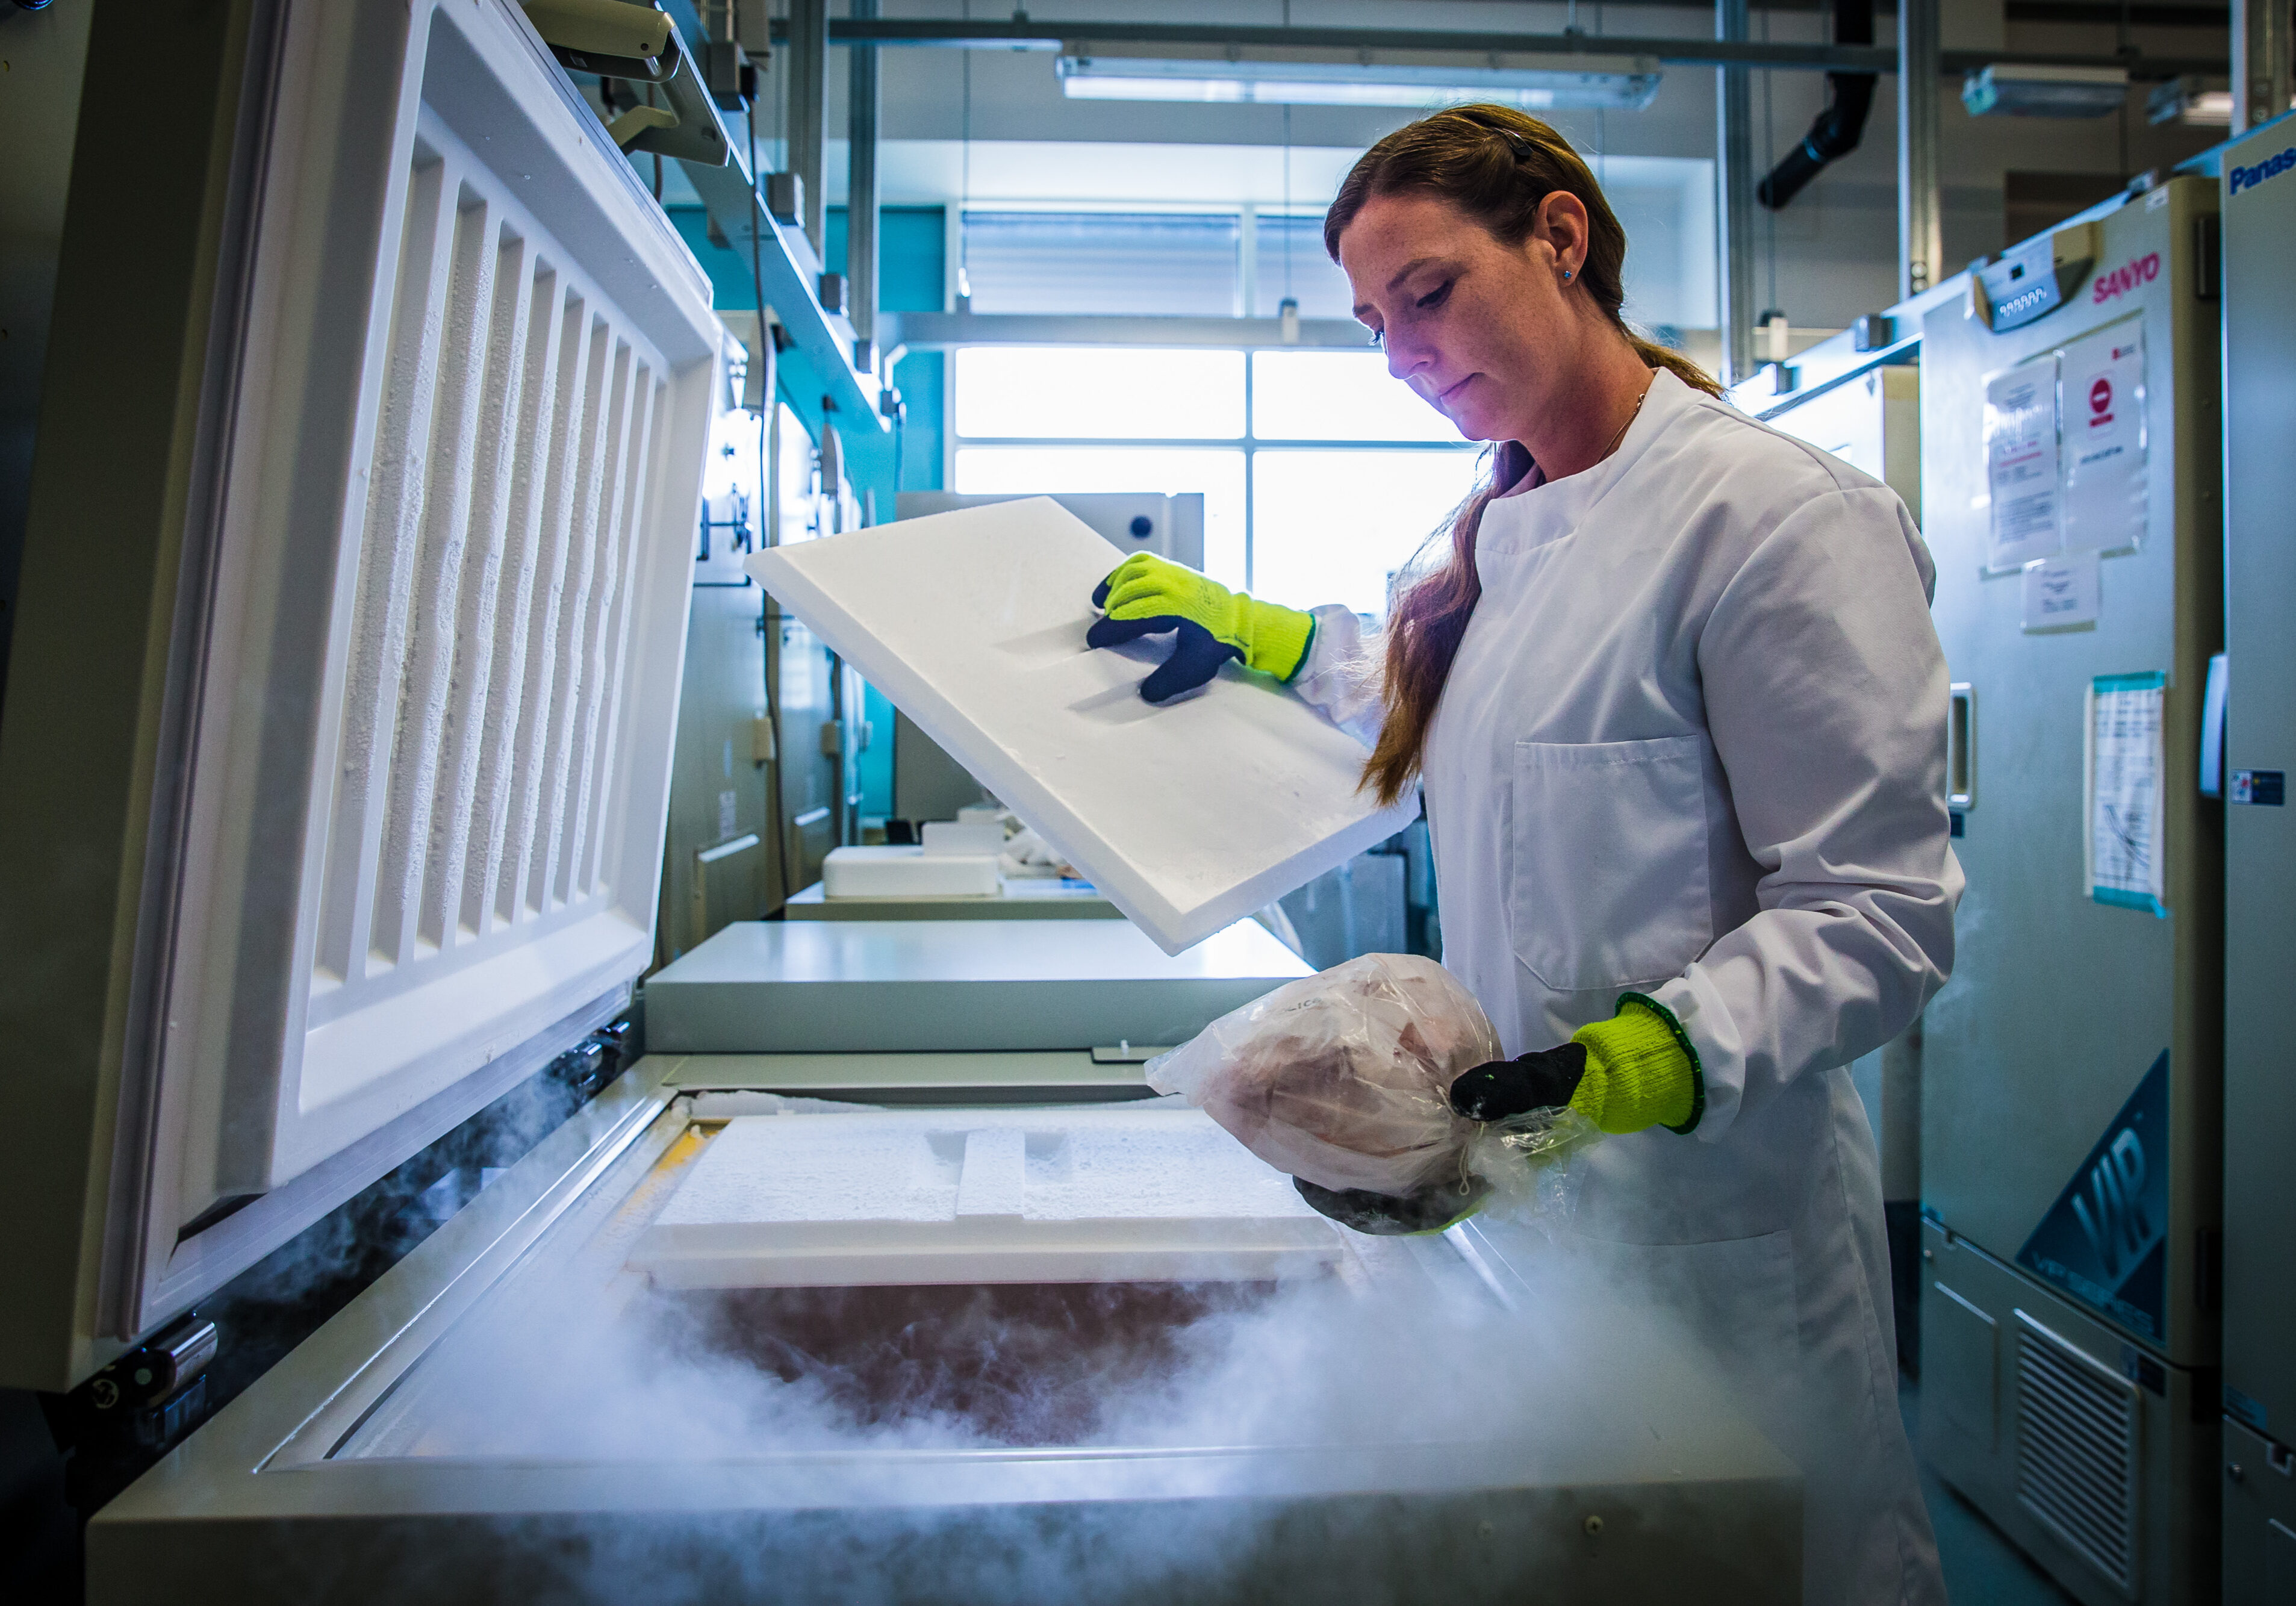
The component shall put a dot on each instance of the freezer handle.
(2212, 728)
(1961, 746)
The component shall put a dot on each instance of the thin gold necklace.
(1629, 424)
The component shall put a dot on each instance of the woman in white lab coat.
(1675, 702)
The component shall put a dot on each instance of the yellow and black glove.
(1149, 596)
(1635, 1070)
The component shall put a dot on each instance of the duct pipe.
(1734, 176)
(1841, 126)
(2260, 66)
(808, 107)
(1920, 235)
(861, 195)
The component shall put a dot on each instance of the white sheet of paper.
(2062, 592)
(2127, 848)
(2105, 443)
(2021, 463)
(1187, 817)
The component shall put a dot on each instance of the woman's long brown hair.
(1497, 164)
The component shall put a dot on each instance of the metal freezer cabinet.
(2258, 749)
(2071, 1069)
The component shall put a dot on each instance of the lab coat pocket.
(1609, 881)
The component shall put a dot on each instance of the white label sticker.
(729, 810)
(2104, 500)
(2126, 849)
(2062, 593)
(2020, 462)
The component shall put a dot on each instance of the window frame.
(1250, 443)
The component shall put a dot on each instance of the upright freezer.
(2071, 1069)
(2259, 748)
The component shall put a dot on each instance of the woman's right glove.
(1148, 596)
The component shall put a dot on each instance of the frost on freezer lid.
(981, 1196)
(1187, 817)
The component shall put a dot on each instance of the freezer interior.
(529, 1398)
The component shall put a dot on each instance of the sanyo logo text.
(2125, 278)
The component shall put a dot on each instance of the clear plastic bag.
(1341, 1077)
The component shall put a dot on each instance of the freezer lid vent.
(2077, 1451)
(445, 594)
(491, 631)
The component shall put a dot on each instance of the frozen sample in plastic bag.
(1341, 1079)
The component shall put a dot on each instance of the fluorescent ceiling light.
(1287, 76)
(2002, 91)
(2190, 100)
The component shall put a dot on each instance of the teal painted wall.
(912, 272)
(912, 249)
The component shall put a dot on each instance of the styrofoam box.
(909, 1196)
(950, 836)
(1187, 817)
(907, 872)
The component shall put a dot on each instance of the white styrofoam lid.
(923, 1196)
(1187, 817)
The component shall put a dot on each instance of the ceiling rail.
(1031, 34)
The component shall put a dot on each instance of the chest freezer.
(567, 1393)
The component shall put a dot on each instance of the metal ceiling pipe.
(1920, 235)
(808, 107)
(1781, 55)
(2260, 62)
(1733, 180)
(861, 194)
(1839, 126)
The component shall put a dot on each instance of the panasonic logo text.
(2271, 166)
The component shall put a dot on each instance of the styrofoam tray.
(907, 871)
(972, 1195)
(1188, 816)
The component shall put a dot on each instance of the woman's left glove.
(1635, 1070)
(1148, 596)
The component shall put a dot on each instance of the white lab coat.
(1693, 746)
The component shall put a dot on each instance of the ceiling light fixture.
(2020, 90)
(1271, 75)
(2190, 100)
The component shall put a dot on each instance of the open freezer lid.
(1187, 817)
(429, 630)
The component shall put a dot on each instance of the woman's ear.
(1562, 224)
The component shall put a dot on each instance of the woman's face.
(1485, 332)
